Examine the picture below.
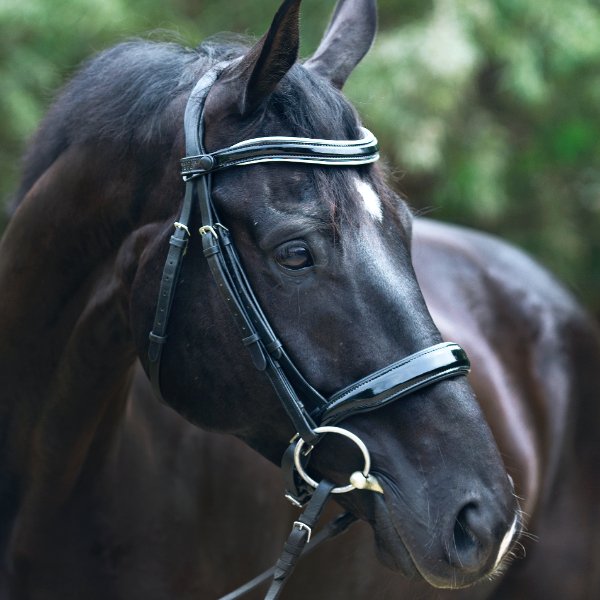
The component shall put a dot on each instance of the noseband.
(311, 413)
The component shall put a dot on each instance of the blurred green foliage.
(488, 111)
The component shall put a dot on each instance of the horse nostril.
(472, 539)
(464, 538)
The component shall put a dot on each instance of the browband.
(285, 149)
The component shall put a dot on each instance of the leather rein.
(311, 414)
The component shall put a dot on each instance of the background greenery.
(488, 110)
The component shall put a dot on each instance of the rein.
(311, 414)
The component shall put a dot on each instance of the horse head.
(327, 251)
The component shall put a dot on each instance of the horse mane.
(122, 96)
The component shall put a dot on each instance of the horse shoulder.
(536, 356)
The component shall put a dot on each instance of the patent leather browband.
(285, 149)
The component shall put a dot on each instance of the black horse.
(108, 494)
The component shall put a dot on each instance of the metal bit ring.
(348, 434)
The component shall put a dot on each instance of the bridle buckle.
(293, 500)
(206, 229)
(183, 227)
(300, 525)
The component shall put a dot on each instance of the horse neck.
(65, 343)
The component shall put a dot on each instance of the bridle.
(312, 414)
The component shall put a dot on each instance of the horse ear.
(348, 38)
(270, 58)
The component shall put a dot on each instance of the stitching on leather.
(297, 141)
(406, 362)
(384, 400)
(298, 157)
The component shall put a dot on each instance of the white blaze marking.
(506, 541)
(370, 198)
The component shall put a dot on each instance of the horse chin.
(390, 549)
(393, 553)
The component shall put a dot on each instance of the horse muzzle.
(467, 546)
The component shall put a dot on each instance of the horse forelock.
(306, 105)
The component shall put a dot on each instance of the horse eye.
(294, 256)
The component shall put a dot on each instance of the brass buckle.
(178, 225)
(206, 229)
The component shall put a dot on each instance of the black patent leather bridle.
(311, 413)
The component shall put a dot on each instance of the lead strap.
(298, 538)
(334, 528)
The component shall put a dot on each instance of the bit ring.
(344, 432)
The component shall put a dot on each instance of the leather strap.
(297, 491)
(298, 538)
(192, 119)
(285, 149)
(166, 294)
(334, 528)
(237, 294)
(397, 380)
(179, 240)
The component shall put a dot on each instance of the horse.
(107, 492)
